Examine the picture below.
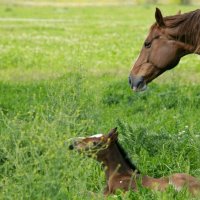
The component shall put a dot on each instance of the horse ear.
(113, 134)
(159, 18)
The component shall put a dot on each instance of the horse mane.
(126, 157)
(188, 25)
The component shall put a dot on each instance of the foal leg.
(106, 191)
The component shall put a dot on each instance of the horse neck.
(114, 163)
(187, 30)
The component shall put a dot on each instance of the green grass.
(64, 74)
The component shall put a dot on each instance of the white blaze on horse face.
(96, 136)
(92, 136)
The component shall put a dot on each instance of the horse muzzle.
(71, 143)
(137, 83)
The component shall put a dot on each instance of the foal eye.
(147, 44)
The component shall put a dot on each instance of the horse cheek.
(165, 55)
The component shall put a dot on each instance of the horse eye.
(147, 44)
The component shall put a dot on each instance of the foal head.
(95, 145)
(161, 51)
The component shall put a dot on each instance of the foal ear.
(113, 134)
(159, 18)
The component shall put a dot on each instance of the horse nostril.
(139, 84)
(71, 147)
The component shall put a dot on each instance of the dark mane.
(188, 25)
(126, 157)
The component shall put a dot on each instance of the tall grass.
(63, 74)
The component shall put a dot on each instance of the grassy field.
(63, 73)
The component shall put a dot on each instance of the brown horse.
(169, 39)
(121, 173)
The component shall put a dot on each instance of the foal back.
(181, 180)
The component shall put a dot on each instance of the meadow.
(64, 73)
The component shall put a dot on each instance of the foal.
(120, 172)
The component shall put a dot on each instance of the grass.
(64, 74)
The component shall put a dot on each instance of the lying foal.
(119, 170)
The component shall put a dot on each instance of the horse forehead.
(155, 30)
(88, 138)
(96, 136)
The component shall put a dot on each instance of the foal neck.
(116, 162)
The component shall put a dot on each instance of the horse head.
(95, 145)
(161, 51)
